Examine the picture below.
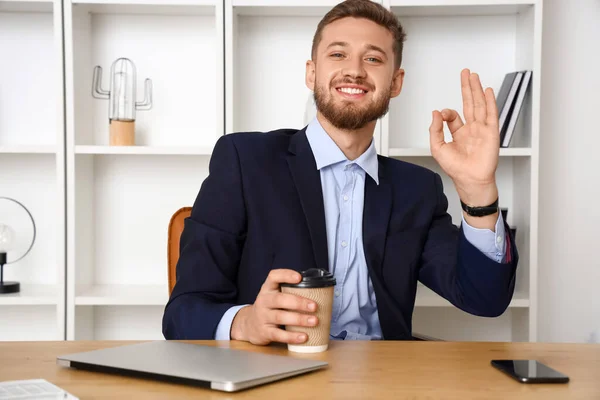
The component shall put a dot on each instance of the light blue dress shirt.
(354, 313)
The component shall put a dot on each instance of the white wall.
(569, 256)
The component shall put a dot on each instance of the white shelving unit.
(32, 166)
(492, 38)
(123, 197)
(218, 66)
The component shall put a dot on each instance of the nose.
(354, 68)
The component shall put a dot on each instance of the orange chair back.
(175, 228)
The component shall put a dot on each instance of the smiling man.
(281, 202)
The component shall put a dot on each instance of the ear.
(310, 75)
(397, 81)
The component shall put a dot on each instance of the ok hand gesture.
(471, 158)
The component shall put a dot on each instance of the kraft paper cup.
(316, 285)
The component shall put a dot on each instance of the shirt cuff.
(224, 328)
(492, 244)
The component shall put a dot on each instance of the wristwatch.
(480, 211)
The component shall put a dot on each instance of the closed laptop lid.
(214, 367)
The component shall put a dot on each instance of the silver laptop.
(207, 366)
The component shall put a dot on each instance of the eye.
(373, 59)
(337, 55)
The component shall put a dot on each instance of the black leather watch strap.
(480, 211)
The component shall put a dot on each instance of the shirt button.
(337, 293)
(345, 198)
(499, 239)
(344, 243)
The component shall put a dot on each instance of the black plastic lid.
(313, 278)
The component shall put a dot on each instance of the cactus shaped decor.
(121, 100)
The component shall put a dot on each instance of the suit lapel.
(307, 179)
(376, 217)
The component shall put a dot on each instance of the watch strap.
(477, 211)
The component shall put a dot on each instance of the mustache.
(351, 81)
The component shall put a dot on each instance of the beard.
(346, 115)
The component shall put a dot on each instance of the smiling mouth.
(349, 90)
(352, 91)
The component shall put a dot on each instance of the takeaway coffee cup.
(317, 285)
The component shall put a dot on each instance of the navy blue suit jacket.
(261, 208)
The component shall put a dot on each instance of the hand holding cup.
(260, 323)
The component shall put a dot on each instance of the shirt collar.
(327, 153)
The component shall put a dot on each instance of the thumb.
(436, 132)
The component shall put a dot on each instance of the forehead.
(357, 32)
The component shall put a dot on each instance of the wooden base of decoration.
(122, 133)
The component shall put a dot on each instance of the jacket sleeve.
(456, 270)
(210, 250)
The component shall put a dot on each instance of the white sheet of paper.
(39, 389)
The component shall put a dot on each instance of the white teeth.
(351, 90)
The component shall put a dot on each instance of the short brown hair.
(369, 10)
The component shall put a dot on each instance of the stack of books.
(510, 102)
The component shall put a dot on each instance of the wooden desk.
(360, 370)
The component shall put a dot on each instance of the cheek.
(383, 85)
(325, 75)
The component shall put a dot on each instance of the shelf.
(454, 3)
(32, 294)
(149, 7)
(24, 6)
(292, 8)
(122, 295)
(150, 2)
(425, 152)
(428, 298)
(144, 150)
(284, 4)
(432, 8)
(27, 149)
(515, 152)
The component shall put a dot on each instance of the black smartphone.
(530, 371)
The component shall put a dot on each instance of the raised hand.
(471, 158)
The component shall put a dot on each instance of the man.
(281, 202)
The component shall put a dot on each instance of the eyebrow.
(376, 48)
(369, 46)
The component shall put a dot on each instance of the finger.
(492, 108)
(452, 119)
(467, 95)
(278, 276)
(436, 132)
(279, 335)
(280, 317)
(479, 104)
(287, 301)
